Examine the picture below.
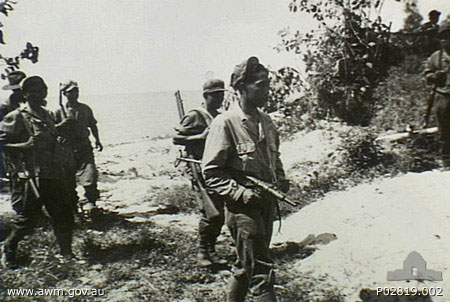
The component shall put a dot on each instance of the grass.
(137, 262)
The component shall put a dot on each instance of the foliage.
(290, 102)
(30, 52)
(413, 19)
(401, 99)
(348, 56)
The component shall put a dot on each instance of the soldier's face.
(72, 95)
(35, 94)
(257, 89)
(434, 18)
(214, 100)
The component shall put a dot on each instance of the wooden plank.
(402, 135)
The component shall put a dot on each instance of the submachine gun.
(264, 186)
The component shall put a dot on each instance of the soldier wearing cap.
(31, 140)
(241, 141)
(430, 30)
(437, 73)
(78, 118)
(192, 133)
(16, 97)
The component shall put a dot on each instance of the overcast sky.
(112, 46)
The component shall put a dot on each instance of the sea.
(130, 117)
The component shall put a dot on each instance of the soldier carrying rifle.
(437, 73)
(244, 141)
(35, 165)
(192, 133)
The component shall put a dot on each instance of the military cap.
(444, 27)
(242, 71)
(434, 13)
(214, 85)
(33, 81)
(14, 79)
(68, 86)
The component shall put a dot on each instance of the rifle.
(265, 186)
(432, 97)
(24, 174)
(61, 101)
(204, 200)
(430, 103)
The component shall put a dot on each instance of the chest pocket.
(247, 154)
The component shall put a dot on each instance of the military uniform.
(48, 175)
(195, 123)
(12, 102)
(437, 73)
(236, 144)
(85, 168)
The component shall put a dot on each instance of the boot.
(213, 256)
(237, 289)
(203, 258)
(65, 243)
(8, 257)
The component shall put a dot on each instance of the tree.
(30, 52)
(346, 57)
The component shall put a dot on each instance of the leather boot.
(237, 289)
(203, 256)
(8, 256)
(65, 243)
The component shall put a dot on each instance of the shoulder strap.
(23, 113)
(207, 117)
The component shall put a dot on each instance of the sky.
(112, 46)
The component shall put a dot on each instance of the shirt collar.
(236, 107)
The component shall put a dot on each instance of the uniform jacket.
(84, 118)
(439, 60)
(232, 145)
(17, 127)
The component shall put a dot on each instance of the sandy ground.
(377, 225)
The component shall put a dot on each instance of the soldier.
(31, 141)
(430, 30)
(432, 24)
(80, 119)
(192, 133)
(437, 73)
(16, 97)
(244, 140)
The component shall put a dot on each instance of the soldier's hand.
(284, 185)
(98, 146)
(250, 196)
(205, 133)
